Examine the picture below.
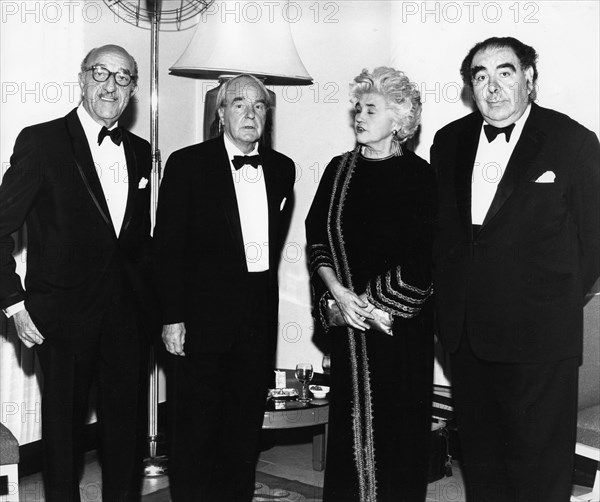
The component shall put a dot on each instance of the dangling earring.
(396, 148)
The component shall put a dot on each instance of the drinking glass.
(304, 374)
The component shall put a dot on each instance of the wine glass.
(304, 374)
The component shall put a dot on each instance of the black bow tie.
(242, 160)
(491, 131)
(116, 135)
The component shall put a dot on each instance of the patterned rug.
(268, 489)
(272, 488)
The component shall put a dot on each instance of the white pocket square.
(547, 177)
(142, 184)
(283, 203)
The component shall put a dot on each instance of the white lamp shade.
(236, 37)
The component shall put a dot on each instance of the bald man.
(80, 184)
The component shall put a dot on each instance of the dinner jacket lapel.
(465, 159)
(133, 177)
(225, 192)
(85, 164)
(520, 163)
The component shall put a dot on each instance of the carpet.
(273, 488)
(268, 489)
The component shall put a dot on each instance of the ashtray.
(283, 394)
(319, 391)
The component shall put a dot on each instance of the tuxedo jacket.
(517, 287)
(74, 256)
(200, 258)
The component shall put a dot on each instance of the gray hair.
(223, 90)
(401, 96)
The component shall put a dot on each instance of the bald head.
(89, 58)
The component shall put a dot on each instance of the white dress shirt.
(111, 167)
(251, 194)
(490, 163)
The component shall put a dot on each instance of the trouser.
(516, 426)
(108, 349)
(216, 404)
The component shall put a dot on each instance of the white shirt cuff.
(13, 309)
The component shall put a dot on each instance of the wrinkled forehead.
(113, 59)
(244, 88)
(492, 56)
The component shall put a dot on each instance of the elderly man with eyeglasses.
(85, 199)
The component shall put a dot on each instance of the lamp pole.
(154, 465)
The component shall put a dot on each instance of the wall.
(41, 52)
(427, 40)
(433, 38)
(42, 44)
(312, 131)
(312, 121)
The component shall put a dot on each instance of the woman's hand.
(353, 308)
(384, 320)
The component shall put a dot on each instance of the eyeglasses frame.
(133, 78)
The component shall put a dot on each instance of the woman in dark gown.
(369, 239)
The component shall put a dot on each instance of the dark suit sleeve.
(585, 206)
(170, 234)
(19, 189)
(445, 204)
(319, 251)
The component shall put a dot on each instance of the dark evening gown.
(371, 221)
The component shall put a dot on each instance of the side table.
(294, 414)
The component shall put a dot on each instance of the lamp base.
(155, 466)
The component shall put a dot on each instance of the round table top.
(293, 413)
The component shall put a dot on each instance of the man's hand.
(26, 330)
(173, 336)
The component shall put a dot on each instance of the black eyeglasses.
(101, 74)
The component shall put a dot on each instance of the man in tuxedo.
(517, 248)
(220, 226)
(80, 184)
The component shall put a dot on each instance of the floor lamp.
(219, 49)
(156, 15)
